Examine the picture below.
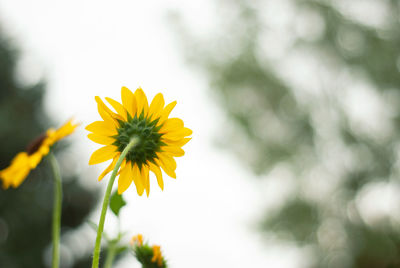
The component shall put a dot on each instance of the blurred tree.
(26, 212)
(312, 87)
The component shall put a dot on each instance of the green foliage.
(305, 88)
(116, 203)
(298, 216)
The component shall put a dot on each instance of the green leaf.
(116, 203)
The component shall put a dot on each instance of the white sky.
(88, 48)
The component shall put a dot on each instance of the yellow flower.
(148, 256)
(24, 162)
(159, 138)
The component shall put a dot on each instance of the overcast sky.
(206, 217)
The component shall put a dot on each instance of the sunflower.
(159, 138)
(24, 162)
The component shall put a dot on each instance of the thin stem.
(56, 210)
(106, 200)
(112, 250)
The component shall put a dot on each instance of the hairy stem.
(106, 200)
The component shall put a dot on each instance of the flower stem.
(112, 248)
(56, 210)
(106, 200)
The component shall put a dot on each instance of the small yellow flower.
(159, 138)
(137, 239)
(24, 162)
(157, 257)
(149, 256)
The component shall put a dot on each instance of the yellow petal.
(144, 172)
(167, 163)
(141, 100)
(20, 176)
(157, 257)
(178, 143)
(118, 107)
(102, 128)
(109, 168)
(157, 171)
(104, 140)
(122, 166)
(18, 170)
(19, 161)
(66, 129)
(173, 150)
(178, 135)
(105, 112)
(35, 158)
(172, 124)
(156, 106)
(168, 160)
(6, 183)
(45, 148)
(103, 154)
(165, 113)
(128, 101)
(51, 137)
(125, 179)
(137, 179)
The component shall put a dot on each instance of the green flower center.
(146, 131)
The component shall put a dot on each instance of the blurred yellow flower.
(159, 138)
(148, 256)
(24, 162)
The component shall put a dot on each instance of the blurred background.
(295, 107)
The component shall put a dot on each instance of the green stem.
(112, 248)
(56, 210)
(106, 200)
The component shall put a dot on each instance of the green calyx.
(147, 133)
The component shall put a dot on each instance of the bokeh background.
(295, 107)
